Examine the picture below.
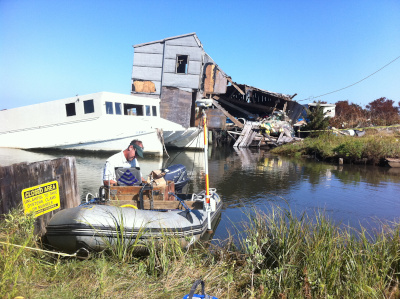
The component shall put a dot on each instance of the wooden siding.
(146, 73)
(148, 59)
(151, 48)
(170, 66)
(220, 83)
(148, 63)
(181, 80)
(176, 105)
(183, 41)
(195, 54)
(18, 177)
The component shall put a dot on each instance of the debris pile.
(273, 130)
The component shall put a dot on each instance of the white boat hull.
(46, 125)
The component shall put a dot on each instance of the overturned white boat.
(101, 121)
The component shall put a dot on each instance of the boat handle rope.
(52, 252)
(181, 201)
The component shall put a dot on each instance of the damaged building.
(179, 72)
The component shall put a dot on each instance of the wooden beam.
(226, 113)
(228, 103)
(237, 87)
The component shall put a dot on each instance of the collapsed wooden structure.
(180, 73)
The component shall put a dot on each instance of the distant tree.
(348, 115)
(316, 119)
(383, 112)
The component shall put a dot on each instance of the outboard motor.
(178, 174)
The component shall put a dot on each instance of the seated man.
(123, 159)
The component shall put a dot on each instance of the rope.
(47, 251)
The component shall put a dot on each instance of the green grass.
(276, 255)
(371, 148)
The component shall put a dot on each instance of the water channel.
(254, 178)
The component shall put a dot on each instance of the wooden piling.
(17, 177)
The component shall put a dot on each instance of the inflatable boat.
(134, 213)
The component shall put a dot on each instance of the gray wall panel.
(183, 41)
(181, 80)
(145, 59)
(172, 51)
(146, 73)
(170, 65)
(151, 48)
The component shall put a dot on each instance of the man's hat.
(139, 150)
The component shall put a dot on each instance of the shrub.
(317, 120)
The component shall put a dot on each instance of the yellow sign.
(41, 199)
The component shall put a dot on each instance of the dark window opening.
(88, 106)
(148, 111)
(109, 108)
(130, 109)
(118, 109)
(70, 108)
(154, 110)
(182, 63)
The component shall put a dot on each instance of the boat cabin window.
(70, 109)
(88, 106)
(154, 110)
(148, 111)
(182, 63)
(130, 109)
(118, 109)
(109, 108)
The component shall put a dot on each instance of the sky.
(51, 50)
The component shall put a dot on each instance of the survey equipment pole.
(208, 206)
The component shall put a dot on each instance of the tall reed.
(311, 257)
(278, 254)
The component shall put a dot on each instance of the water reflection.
(349, 194)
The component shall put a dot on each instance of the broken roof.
(267, 92)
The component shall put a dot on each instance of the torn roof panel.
(267, 92)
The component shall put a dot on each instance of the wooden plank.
(17, 177)
(227, 114)
(146, 73)
(181, 80)
(143, 86)
(248, 138)
(243, 136)
(123, 193)
(176, 105)
(148, 59)
(220, 83)
(209, 79)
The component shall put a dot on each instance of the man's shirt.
(116, 161)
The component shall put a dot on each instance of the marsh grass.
(276, 255)
(122, 244)
(371, 148)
